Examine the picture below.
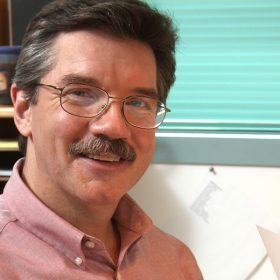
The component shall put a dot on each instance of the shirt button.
(89, 244)
(78, 261)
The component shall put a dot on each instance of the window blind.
(228, 65)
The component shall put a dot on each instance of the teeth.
(105, 157)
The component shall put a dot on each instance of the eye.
(84, 94)
(142, 103)
(79, 92)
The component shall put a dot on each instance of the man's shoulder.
(167, 247)
(5, 214)
(166, 239)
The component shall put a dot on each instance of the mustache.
(98, 145)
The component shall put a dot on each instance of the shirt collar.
(130, 216)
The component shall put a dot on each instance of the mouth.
(104, 157)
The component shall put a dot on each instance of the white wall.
(153, 193)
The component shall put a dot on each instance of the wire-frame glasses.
(87, 101)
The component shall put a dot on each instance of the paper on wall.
(224, 220)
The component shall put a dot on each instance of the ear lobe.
(22, 111)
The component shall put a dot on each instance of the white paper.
(224, 220)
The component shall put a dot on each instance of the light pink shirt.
(35, 243)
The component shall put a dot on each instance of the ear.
(22, 111)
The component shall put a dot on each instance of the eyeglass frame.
(166, 110)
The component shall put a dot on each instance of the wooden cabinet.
(8, 144)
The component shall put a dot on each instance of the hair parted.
(132, 19)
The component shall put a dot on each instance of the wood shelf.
(8, 145)
(6, 111)
(4, 178)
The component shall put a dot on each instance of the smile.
(105, 157)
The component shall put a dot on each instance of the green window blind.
(228, 65)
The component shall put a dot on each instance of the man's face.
(121, 67)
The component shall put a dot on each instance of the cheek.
(56, 131)
(68, 126)
(67, 130)
(150, 140)
(146, 144)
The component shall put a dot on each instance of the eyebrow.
(150, 92)
(80, 79)
(74, 78)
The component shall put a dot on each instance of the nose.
(111, 123)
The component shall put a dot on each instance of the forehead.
(108, 60)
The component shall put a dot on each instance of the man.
(89, 90)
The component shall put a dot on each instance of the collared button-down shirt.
(35, 243)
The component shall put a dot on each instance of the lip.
(106, 157)
(100, 165)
